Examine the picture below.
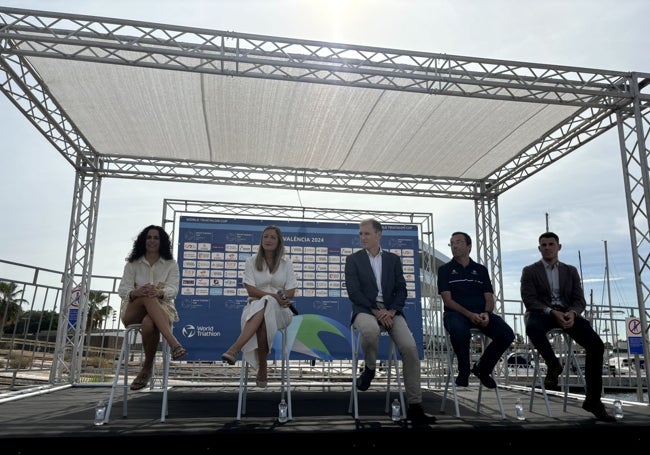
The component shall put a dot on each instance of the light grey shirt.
(553, 275)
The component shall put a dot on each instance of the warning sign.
(633, 327)
(634, 334)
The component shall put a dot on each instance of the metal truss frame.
(26, 33)
(488, 244)
(71, 333)
(634, 141)
(606, 99)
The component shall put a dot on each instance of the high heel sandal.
(178, 352)
(261, 379)
(230, 357)
(259, 382)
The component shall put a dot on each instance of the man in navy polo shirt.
(468, 297)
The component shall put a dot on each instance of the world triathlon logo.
(189, 331)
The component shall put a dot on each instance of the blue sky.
(582, 194)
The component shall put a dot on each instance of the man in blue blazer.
(554, 298)
(375, 283)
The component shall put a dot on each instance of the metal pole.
(609, 299)
(546, 216)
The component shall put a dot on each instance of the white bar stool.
(450, 370)
(570, 361)
(355, 343)
(285, 380)
(131, 333)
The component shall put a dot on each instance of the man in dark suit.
(554, 298)
(375, 283)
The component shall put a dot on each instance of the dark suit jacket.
(362, 287)
(536, 290)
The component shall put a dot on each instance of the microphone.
(283, 296)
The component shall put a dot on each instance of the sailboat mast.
(582, 283)
(613, 329)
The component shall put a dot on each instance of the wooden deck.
(202, 419)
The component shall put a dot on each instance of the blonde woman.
(271, 284)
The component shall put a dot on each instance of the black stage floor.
(202, 420)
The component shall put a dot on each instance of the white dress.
(275, 316)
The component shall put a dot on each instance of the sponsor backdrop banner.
(211, 257)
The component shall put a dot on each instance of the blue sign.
(73, 312)
(212, 253)
(72, 318)
(635, 345)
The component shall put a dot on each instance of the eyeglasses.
(457, 242)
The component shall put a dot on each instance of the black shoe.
(552, 374)
(364, 380)
(415, 413)
(485, 378)
(462, 380)
(597, 408)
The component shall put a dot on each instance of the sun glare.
(336, 13)
(335, 8)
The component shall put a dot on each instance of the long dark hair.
(140, 244)
(277, 254)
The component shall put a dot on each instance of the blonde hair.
(278, 254)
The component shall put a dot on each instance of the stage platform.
(202, 420)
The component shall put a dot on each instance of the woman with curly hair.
(148, 288)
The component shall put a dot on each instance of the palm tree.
(10, 303)
(97, 315)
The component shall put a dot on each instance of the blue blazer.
(361, 284)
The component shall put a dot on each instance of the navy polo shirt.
(467, 284)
